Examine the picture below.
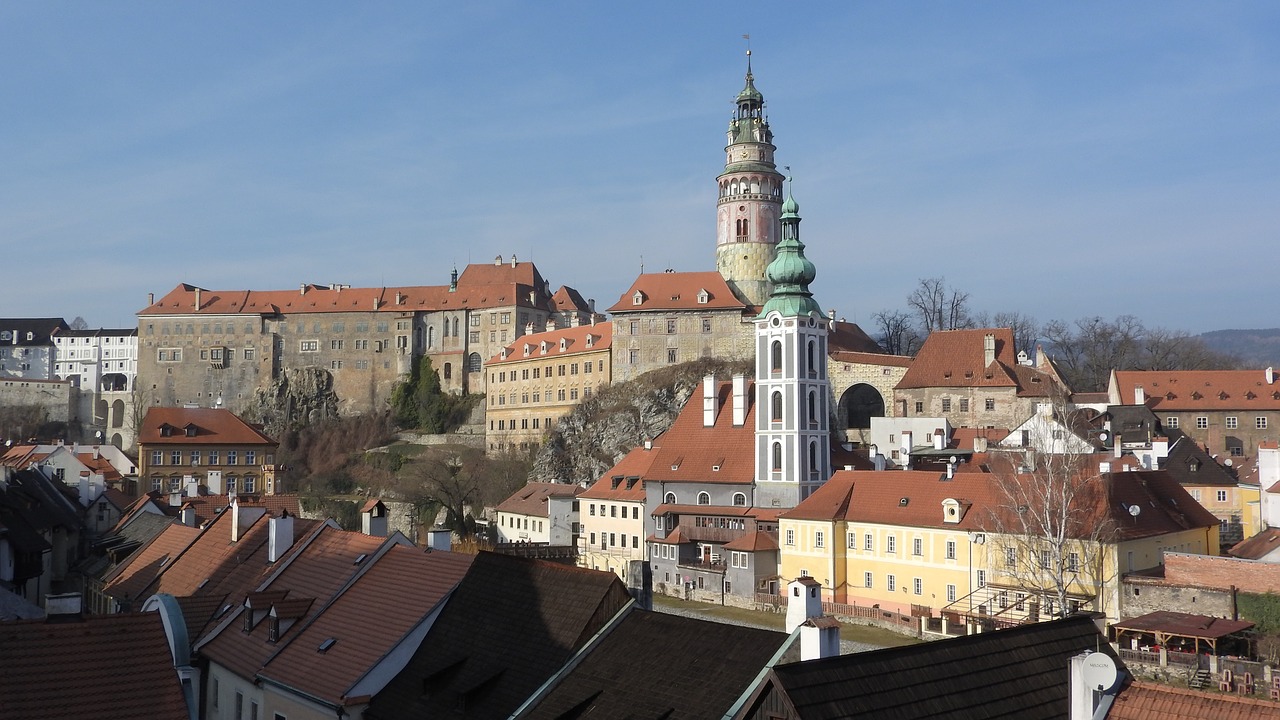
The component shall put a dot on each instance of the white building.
(540, 514)
(103, 364)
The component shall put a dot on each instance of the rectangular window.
(1202, 422)
(213, 457)
(982, 578)
(613, 511)
(951, 549)
(852, 542)
(964, 404)
(309, 346)
(1171, 421)
(1011, 557)
(1232, 422)
(593, 538)
(195, 457)
(989, 404)
(917, 586)
(231, 457)
(917, 546)
(892, 546)
(335, 344)
(157, 457)
(1046, 559)
(868, 580)
(867, 543)
(951, 593)
(818, 540)
(891, 583)
(1222, 496)
(791, 536)
(1260, 423)
(1073, 562)
(671, 355)
(946, 405)
(919, 407)
(591, 509)
(706, 325)
(175, 457)
(250, 457)
(671, 327)
(248, 353)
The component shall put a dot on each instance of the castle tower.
(793, 445)
(747, 214)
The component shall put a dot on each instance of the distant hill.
(1255, 348)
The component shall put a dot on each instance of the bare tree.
(79, 323)
(459, 480)
(1026, 331)
(896, 333)
(1051, 521)
(939, 306)
(1178, 350)
(1087, 350)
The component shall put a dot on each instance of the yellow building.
(208, 447)
(612, 516)
(918, 542)
(540, 378)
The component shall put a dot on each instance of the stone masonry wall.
(1252, 576)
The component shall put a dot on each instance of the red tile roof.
(532, 498)
(584, 338)
(955, 358)
(689, 451)
(634, 464)
(848, 337)
(106, 667)
(1258, 546)
(1151, 701)
(758, 541)
(678, 291)
(566, 299)
(867, 358)
(135, 574)
(213, 426)
(1191, 390)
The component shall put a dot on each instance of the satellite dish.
(1228, 462)
(1134, 510)
(953, 460)
(1102, 437)
(1100, 672)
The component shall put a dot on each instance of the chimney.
(193, 487)
(1118, 450)
(234, 509)
(302, 288)
(197, 299)
(709, 401)
(373, 519)
(528, 328)
(648, 444)
(64, 607)
(831, 314)
(938, 443)
(804, 601)
(1159, 451)
(497, 260)
(151, 298)
(1139, 395)
(988, 349)
(1271, 376)
(551, 323)
(175, 499)
(739, 400)
(188, 515)
(640, 583)
(951, 470)
(980, 444)
(84, 489)
(399, 298)
(591, 305)
(280, 536)
(97, 453)
(513, 259)
(440, 539)
(215, 482)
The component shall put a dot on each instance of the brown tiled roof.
(117, 499)
(1258, 546)
(709, 510)
(100, 466)
(1192, 390)
(848, 337)
(876, 497)
(1185, 625)
(568, 299)
(415, 580)
(954, 358)
(508, 626)
(654, 665)
(198, 613)
(634, 464)
(1152, 701)
(106, 667)
(213, 426)
(130, 578)
(208, 506)
(962, 437)
(532, 498)
(524, 273)
(575, 340)
(689, 451)
(678, 291)
(754, 542)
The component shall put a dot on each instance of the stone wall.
(1139, 598)
(1252, 576)
(53, 397)
(844, 375)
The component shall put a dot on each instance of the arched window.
(448, 371)
(431, 337)
(777, 457)
(775, 406)
(813, 457)
(739, 500)
(669, 498)
(813, 407)
(775, 356)
(812, 365)
(744, 228)
(704, 498)
(473, 362)
(455, 327)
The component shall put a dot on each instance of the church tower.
(747, 214)
(793, 443)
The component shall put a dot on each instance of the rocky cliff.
(300, 396)
(588, 441)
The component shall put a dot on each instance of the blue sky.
(1059, 159)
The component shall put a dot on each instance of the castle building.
(103, 364)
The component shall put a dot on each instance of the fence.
(778, 603)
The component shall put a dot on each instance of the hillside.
(588, 441)
(1254, 348)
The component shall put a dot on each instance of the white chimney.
(1118, 449)
(188, 515)
(280, 536)
(1271, 376)
(1159, 451)
(739, 400)
(513, 260)
(373, 520)
(804, 601)
(215, 482)
(937, 440)
(819, 638)
(1139, 395)
(193, 486)
(709, 401)
(175, 499)
(988, 349)
(648, 444)
(302, 288)
(197, 299)
(980, 444)
(234, 509)
(97, 453)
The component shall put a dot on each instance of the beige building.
(612, 515)
(178, 447)
(214, 348)
(540, 378)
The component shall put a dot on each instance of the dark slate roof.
(655, 665)
(1017, 673)
(13, 331)
(509, 625)
(114, 666)
(1189, 464)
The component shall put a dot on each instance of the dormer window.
(637, 298)
(591, 340)
(527, 349)
(703, 297)
(166, 430)
(190, 430)
(564, 344)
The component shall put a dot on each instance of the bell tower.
(793, 443)
(750, 201)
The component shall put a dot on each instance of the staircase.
(1201, 680)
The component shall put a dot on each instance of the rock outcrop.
(591, 439)
(300, 396)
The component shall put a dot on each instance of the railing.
(1145, 657)
(1182, 659)
(778, 603)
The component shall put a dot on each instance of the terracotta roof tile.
(613, 485)
(867, 358)
(848, 337)
(678, 291)
(532, 498)
(1150, 701)
(566, 299)
(78, 670)
(954, 358)
(135, 574)
(213, 426)
(1192, 390)
(758, 541)
(575, 340)
(689, 452)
